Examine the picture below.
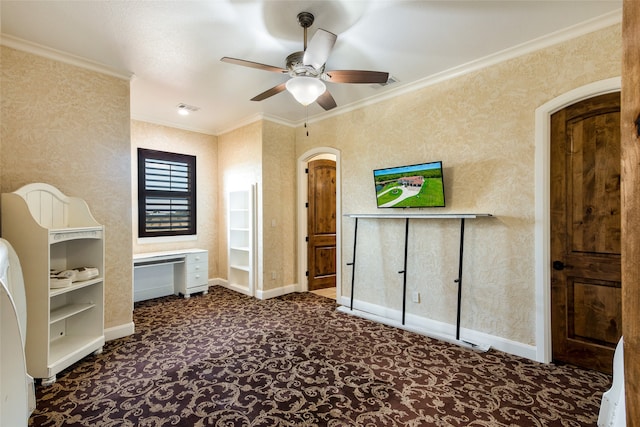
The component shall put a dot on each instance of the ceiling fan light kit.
(305, 89)
(307, 70)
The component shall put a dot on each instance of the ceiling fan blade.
(326, 101)
(356, 76)
(252, 64)
(270, 92)
(319, 49)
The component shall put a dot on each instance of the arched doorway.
(585, 206)
(302, 198)
(542, 205)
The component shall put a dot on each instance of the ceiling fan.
(307, 69)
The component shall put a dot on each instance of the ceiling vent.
(391, 80)
(187, 107)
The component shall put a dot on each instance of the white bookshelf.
(240, 219)
(50, 230)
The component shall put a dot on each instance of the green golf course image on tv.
(411, 186)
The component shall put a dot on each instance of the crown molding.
(254, 118)
(170, 124)
(60, 56)
(551, 39)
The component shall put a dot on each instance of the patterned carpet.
(225, 359)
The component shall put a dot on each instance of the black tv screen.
(411, 186)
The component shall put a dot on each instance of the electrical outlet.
(415, 297)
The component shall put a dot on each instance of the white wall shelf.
(240, 240)
(51, 231)
(419, 215)
(67, 311)
(74, 287)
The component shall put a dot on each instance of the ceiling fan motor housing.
(297, 68)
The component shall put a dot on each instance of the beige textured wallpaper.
(239, 166)
(278, 207)
(70, 127)
(205, 148)
(481, 125)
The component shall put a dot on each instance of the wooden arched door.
(321, 224)
(585, 205)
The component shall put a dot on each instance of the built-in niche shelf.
(240, 240)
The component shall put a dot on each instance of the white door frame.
(542, 208)
(303, 283)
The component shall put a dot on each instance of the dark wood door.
(631, 206)
(585, 232)
(321, 224)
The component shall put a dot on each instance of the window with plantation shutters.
(166, 194)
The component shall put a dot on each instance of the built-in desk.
(158, 274)
(407, 217)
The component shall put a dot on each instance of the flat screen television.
(411, 186)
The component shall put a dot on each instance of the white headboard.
(52, 209)
(48, 206)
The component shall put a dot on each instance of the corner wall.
(239, 165)
(279, 208)
(70, 127)
(262, 153)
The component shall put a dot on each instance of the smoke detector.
(186, 109)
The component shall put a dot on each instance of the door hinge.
(306, 205)
(306, 273)
(306, 239)
(306, 170)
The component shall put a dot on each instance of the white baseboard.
(232, 287)
(119, 331)
(435, 329)
(277, 292)
(217, 282)
(270, 293)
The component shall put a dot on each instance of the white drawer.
(194, 267)
(197, 278)
(197, 269)
(197, 257)
(197, 262)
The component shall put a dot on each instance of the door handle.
(559, 265)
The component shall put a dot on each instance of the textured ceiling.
(173, 48)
